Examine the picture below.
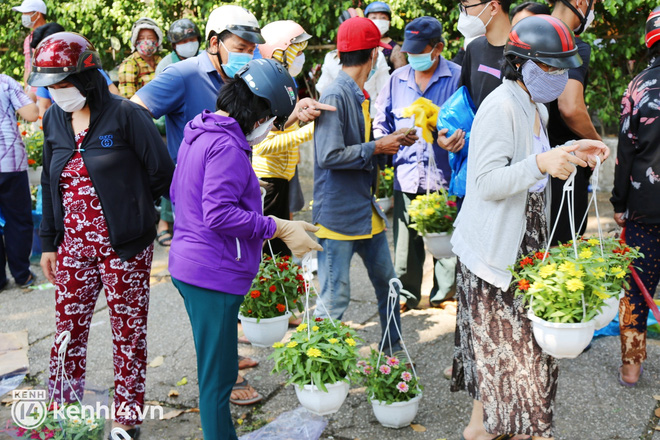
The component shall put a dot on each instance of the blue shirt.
(411, 163)
(343, 162)
(182, 91)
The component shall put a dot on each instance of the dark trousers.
(277, 203)
(633, 309)
(409, 255)
(16, 240)
(213, 318)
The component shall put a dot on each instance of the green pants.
(213, 318)
(409, 255)
(166, 213)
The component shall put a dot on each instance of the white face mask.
(296, 67)
(27, 21)
(260, 132)
(187, 50)
(471, 25)
(382, 25)
(69, 99)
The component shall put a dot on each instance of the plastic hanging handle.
(119, 434)
(63, 341)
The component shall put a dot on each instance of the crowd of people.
(233, 126)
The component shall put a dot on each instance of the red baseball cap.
(358, 33)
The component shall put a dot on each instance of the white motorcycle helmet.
(237, 20)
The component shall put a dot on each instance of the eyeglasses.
(463, 9)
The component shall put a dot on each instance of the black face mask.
(583, 18)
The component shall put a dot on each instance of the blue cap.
(378, 7)
(419, 32)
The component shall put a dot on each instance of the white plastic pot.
(608, 312)
(563, 341)
(438, 244)
(34, 175)
(398, 414)
(385, 204)
(267, 331)
(320, 402)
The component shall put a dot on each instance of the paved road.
(590, 403)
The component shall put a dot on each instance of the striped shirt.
(13, 156)
(134, 73)
(278, 155)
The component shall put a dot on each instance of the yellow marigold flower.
(332, 340)
(599, 273)
(618, 272)
(292, 344)
(574, 285)
(315, 328)
(586, 253)
(577, 273)
(567, 266)
(538, 285)
(413, 212)
(314, 352)
(601, 295)
(351, 342)
(593, 242)
(278, 345)
(302, 327)
(547, 270)
(429, 211)
(600, 259)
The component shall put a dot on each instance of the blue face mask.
(372, 72)
(420, 62)
(235, 61)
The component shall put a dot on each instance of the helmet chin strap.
(582, 17)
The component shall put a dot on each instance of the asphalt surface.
(590, 402)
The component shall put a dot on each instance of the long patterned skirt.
(496, 358)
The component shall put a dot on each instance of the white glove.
(294, 235)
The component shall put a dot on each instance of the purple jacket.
(219, 228)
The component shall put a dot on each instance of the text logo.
(29, 408)
(106, 141)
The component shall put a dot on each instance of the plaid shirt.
(134, 73)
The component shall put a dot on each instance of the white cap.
(31, 6)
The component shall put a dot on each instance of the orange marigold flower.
(31, 161)
(255, 294)
(281, 307)
(525, 261)
(273, 288)
(523, 284)
(539, 255)
(23, 133)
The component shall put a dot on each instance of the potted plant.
(385, 191)
(432, 215)
(568, 290)
(76, 424)
(320, 359)
(33, 138)
(275, 291)
(392, 389)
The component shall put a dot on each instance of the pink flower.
(392, 361)
(368, 370)
(361, 364)
(402, 387)
(406, 376)
(385, 369)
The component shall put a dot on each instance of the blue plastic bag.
(458, 113)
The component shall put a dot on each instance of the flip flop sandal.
(243, 359)
(164, 236)
(630, 384)
(245, 385)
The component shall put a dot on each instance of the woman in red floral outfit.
(104, 165)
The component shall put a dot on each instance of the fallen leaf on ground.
(172, 414)
(192, 410)
(182, 382)
(157, 362)
(173, 393)
(657, 397)
(657, 412)
(239, 421)
(417, 428)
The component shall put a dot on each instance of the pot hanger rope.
(392, 302)
(568, 196)
(60, 373)
(434, 173)
(594, 184)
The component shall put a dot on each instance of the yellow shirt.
(377, 222)
(278, 155)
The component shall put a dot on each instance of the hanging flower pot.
(608, 311)
(320, 402)
(438, 244)
(385, 204)
(560, 340)
(265, 332)
(397, 414)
